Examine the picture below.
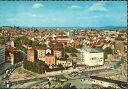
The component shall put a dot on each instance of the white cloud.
(33, 15)
(30, 14)
(98, 7)
(75, 7)
(37, 5)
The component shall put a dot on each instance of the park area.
(22, 74)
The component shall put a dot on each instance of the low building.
(50, 60)
(65, 63)
(76, 43)
(92, 57)
(64, 38)
(58, 52)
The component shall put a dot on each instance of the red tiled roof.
(62, 37)
(53, 41)
(31, 49)
(119, 39)
(122, 31)
(58, 49)
(39, 48)
(12, 50)
(62, 40)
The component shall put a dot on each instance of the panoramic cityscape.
(63, 44)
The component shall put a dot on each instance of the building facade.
(65, 63)
(58, 52)
(44, 54)
(50, 60)
(92, 57)
(31, 55)
(41, 53)
(2, 55)
(13, 55)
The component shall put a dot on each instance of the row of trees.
(2, 40)
(107, 51)
(71, 50)
(23, 41)
(67, 86)
(20, 41)
(40, 67)
(37, 67)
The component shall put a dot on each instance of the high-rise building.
(31, 55)
(41, 53)
(2, 55)
(13, 55)
(44, 54)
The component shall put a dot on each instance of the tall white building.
(92, 57)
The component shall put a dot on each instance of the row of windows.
(96, 58)
(2, 57)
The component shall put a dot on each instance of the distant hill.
(78, 27)
(113, 27)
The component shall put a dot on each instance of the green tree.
(107, 51)
(60, 66)
(74, 50)
(2, 40)
(73, 87)
(19, 41)
(37, 67)
(71, 50)
(34, 43)
(36, 30)
(66, 86)
(25, 40)
(43, 45)
(66, 56)
(67, 49)
(73, 55)
(51, 45)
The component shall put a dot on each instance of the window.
(94, 58)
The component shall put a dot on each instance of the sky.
(63, 13)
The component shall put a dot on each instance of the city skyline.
(63, 13)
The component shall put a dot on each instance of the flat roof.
(93, 50)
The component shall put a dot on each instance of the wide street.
(62, 78)
(65, 78)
